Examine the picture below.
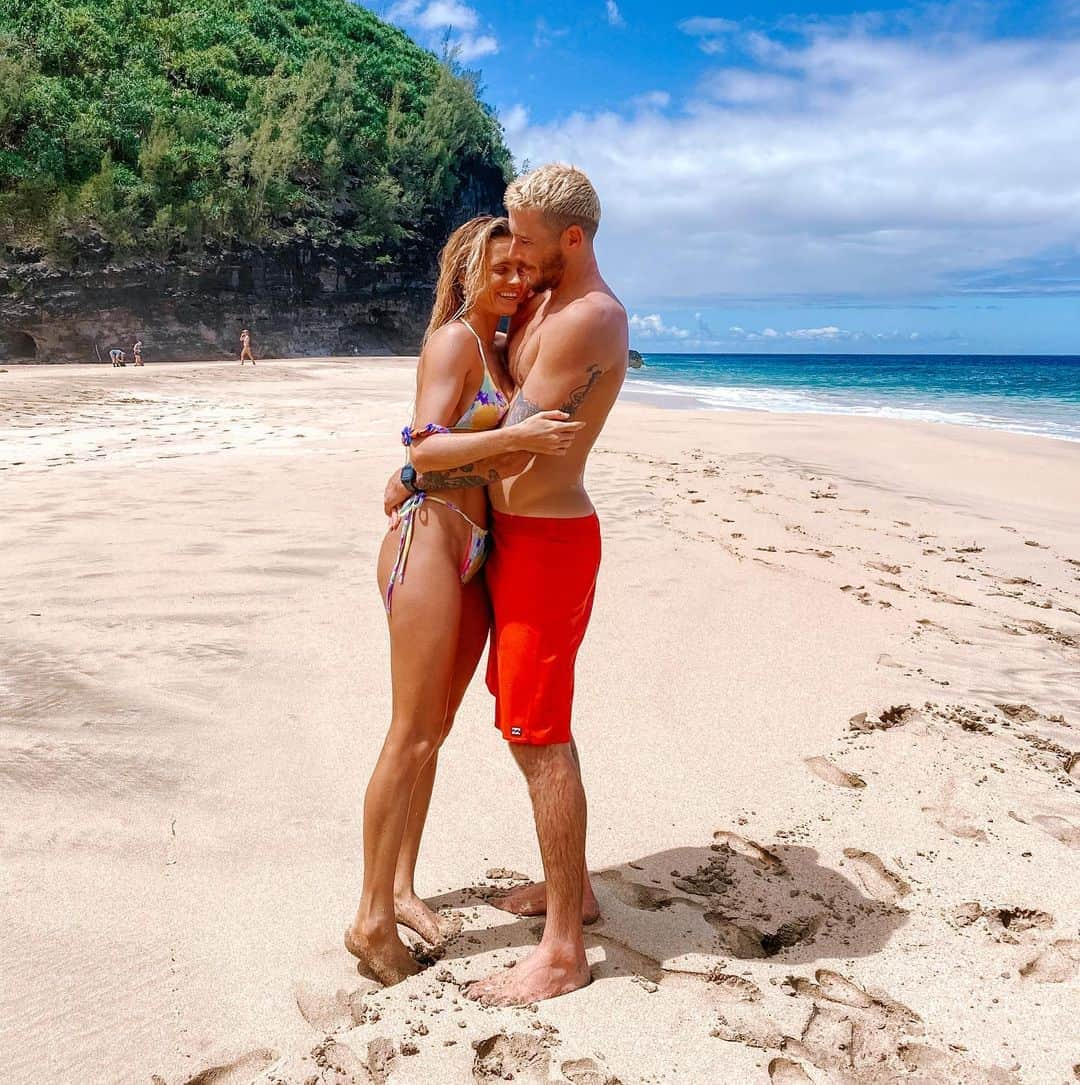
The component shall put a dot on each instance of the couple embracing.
(502, 428)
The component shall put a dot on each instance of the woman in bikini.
(438, 613)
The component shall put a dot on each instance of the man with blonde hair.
(567, 350)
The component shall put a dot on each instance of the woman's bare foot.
(410, 911)
(532, 900)
(545, 973)
(386, 959)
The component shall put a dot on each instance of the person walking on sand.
(245, 347)
(438, 614)
(136, 350)
(568, 350)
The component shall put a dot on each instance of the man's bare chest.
(523, 349)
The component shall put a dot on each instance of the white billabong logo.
(515, 732)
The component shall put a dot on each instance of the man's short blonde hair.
(561, 193)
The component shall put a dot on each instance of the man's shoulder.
(593, 325)
(594, 313)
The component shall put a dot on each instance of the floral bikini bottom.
(475, 553)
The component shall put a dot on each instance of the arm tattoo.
(523, 408)
(577, 396)
(470, 475)
(456, 478)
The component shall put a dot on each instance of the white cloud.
(652, 327)
(828, 334)
(432, 20)
(699, 26)
(831, 332)
(653, 99)
(514, 120)
(469, 47)
(544, 33)
(614, 16)
(712, 34)
(843, 164)
(447, 13)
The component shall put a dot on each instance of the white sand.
(194, 685)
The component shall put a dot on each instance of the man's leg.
(531, 900)
(558, 965)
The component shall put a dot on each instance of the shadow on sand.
(692, 909)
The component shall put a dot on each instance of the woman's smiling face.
(506, 286)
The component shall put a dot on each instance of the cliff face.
(283, 166)
(299, 300)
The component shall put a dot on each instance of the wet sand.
(828, 710)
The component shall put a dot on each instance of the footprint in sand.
(1010, 925)
(327, 1012)
(876, 879)
(585, 1072)
(645, 897)
(517, 1057)
(868, 1038)
(730, 988)
(894, 716)
(342, 1061)
(786, 1072)
(883, 567)
(950, 817)
(743, 1020)
(1058, 963)
(238, 1072)
(825, 770)
(382, 1057)
(1059, 828)
(758, 856)
(747, 942)
(859, 593)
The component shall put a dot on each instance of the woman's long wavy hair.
(463, 269)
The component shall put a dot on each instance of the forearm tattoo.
(523, 408)
(464, 477)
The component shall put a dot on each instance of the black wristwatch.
(408, 478)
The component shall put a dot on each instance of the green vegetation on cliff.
(165, 125)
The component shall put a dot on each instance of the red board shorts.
(542, 578)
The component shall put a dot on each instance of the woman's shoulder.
(452, 345)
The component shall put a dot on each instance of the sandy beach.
(828, 711)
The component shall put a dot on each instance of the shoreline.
(662, 399)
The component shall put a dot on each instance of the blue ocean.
(1024, 394)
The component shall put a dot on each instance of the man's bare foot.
(410, 911)
(386, 959)
(532, 900)
(545, 973)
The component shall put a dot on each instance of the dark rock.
(298, 300)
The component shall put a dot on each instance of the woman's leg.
(423, 650)
(411, 911)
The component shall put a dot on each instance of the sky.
(804, 178)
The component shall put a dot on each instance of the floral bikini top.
(486, 411)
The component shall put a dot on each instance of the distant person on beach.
(568, 352)
(136, 351)
(117, 357)
(245, 347)
(436, 605)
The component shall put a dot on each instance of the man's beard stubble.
(549, 273)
